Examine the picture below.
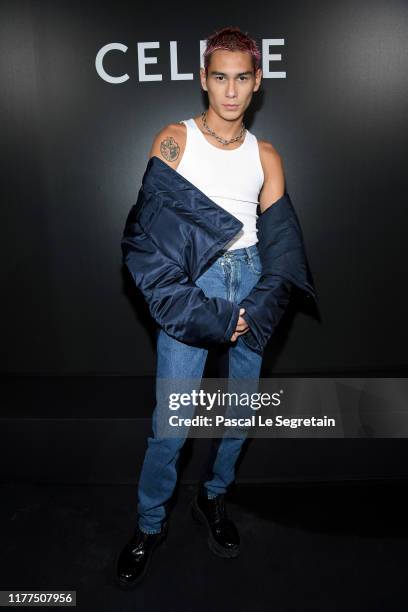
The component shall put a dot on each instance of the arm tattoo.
(169, 148)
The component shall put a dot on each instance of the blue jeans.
(232, 277)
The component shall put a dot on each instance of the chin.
(230, 114)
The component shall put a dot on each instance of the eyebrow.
(224, 74)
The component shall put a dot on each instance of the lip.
(232, 106)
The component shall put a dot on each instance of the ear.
(258, 78)
(203, 79)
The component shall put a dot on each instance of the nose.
(231, 90)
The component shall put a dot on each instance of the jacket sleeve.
(284, 265)
(175, 302)
(264, 308)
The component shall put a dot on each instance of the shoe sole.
(213, 545)
(133, 583)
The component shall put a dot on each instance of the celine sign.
(175, 75)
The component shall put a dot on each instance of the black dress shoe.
(133, 560)
(223, 536)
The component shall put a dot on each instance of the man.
(215, 155)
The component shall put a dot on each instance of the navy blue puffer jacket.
(172, 235)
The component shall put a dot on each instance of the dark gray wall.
(73, 151)
(74, 148)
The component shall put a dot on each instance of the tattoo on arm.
(169, 148)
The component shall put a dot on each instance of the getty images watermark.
(207, 401)
(281, 407)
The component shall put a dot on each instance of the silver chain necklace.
(221, 140)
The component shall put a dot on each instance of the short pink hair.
(231, 39)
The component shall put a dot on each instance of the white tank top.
(232, 178)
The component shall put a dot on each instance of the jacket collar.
(160, 177)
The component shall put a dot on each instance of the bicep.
(274, 183)
(167, 146)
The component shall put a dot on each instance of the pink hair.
(231, 39)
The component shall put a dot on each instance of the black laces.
(217, 508)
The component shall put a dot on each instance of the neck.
(225, 128)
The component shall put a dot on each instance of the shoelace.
(217, 508)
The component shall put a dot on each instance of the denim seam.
(148, 532)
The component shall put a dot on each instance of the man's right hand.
(242, 326)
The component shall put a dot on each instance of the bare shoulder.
(169, 144)
(274, 181)
(270, 158)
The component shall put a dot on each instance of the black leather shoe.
(133, 560)
(223, 536)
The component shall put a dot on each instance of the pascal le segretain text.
(255, 420)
